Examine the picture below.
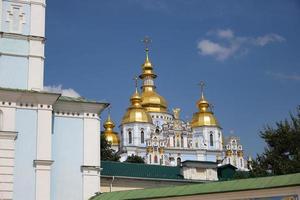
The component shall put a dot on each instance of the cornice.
(12, 135)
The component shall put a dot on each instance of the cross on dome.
(202, 85)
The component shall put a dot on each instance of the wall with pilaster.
(67, 153)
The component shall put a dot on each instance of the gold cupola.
(136, 113)
(151, 100)
(205, 116)
(109, 133)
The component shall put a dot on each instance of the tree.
(134, 159)
(107, 153)
(282, 154)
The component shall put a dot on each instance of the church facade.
(150, 131)
(49, 144)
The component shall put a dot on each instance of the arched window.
(129, 137)
(1, 120)
(155, 159)
(178, 161)
(150, 159)
(211, 140)
(241, 160)
(142, 137)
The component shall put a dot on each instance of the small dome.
(110, 135)
(136, 113)
(205, 116)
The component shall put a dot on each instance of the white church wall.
(35, 73)
(37, 18)
(25, 154)
(91, 174)
(8, 117)
(67, 153)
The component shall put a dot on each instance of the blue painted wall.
(67, 153)
(14, 46)
(24, 178)
(13, 72)
(25, 8)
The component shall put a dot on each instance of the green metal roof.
(206, 188)
(138, 170)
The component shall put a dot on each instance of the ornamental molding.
(11, 135)
(43, 162)
(29, 2)
(21, 37)
(90, 168)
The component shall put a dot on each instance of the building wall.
(25, 154)
(134, 184)
(67, 153)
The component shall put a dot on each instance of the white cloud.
(266, 39)
(282, 76)
(208, 47)
(226, 44)
(64, 92)
(228, 33)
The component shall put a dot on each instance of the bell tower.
(22, 41)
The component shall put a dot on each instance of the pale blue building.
(49, 144)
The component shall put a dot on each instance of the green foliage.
(134, 159)
(107, 153)
(282, 154)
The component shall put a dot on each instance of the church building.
(49, 143)
(150, 131)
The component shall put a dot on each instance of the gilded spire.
(147, 65)
(204, 117)
(109, 133)
(136, 98)
(109, 124)
(203, 105)
(152, 101)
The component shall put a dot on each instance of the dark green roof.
(139, 170)
(206, 188)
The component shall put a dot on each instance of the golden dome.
(151, 100)
(110, 135)
(205, 116)
(136, 113)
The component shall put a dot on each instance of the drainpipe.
(111, 183)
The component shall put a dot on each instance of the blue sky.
(247, 52)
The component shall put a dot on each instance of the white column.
(7, 157)
(36, 65)
(91, 156)
(43, 160)
(37, 18)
